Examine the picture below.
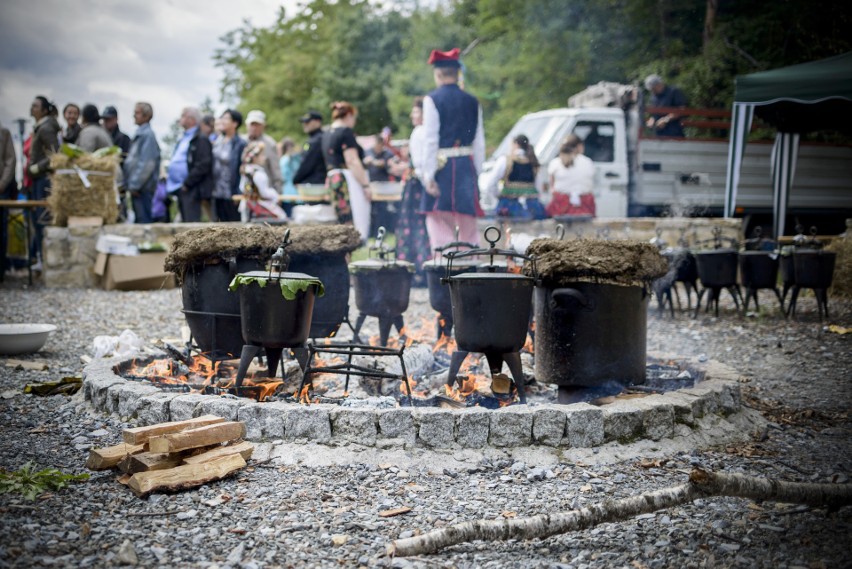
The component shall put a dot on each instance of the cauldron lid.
(377, 264)
(716, 251)
(490, 277)
(277, 276)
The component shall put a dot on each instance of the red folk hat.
(445, 58)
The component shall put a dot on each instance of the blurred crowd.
(224, 168)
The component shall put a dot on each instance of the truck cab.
(604, 134)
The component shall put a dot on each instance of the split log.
(186, 476)
(702, 484)
(244, 449)
(200, 437)
(147, 461)
(139, 435)
(107, 457)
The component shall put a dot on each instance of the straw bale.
(69, 197)
(624, 262)
(841, 284)
(214, 243)
(323, 240)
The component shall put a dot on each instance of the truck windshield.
(538, 129)
(598, 139)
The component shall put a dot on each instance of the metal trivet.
(349, 369)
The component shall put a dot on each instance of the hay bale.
(214, 243)
(621, 262)
(841, 285)
(70, 197)
(322, 240)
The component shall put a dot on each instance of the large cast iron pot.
(717, 268)
(814, 268)
(382, 288)
(268, 318)
(213, 312)
(590, 334)
(758, 269)
(332, 309)
(491, 311)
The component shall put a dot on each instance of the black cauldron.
(759, 270)
(213, 312)
(382, 289)
(491, 311)
(271, 320)
(590, 334)
(814, 268)
(332, 309)
(717, 268)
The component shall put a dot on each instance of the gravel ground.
(274, 514)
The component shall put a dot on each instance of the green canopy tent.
(796, 99)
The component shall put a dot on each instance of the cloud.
(116, 53)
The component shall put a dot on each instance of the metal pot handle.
(565, 297)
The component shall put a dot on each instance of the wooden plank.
(244, 449)
(139, 435)
(107, 457)
(186, 476)
(36, 366)
(147, 461)
(200, 437)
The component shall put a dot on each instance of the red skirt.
(561, 205)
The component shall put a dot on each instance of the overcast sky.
(112, 52)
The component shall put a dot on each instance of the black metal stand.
(821, 295)
(273, 360)
(713, 298)
(348, 368)
(752, 293)
(495, 364)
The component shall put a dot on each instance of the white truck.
(641, 176)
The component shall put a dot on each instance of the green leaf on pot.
(71, 150)
(289, 287)
(106, 151)
(242, 280)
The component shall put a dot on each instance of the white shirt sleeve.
(431, 129)
(479, 143)
(415, 149)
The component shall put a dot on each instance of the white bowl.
(386, 188)
(23, 338)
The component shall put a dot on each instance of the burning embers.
(200, 375)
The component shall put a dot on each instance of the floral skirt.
(412, 240)
(338, 191)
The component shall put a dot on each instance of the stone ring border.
(579, 425)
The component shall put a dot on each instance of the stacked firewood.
(177, 455)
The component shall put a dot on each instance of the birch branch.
(701, 484)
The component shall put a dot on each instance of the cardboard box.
(133, 272)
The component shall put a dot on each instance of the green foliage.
(520, 56)
(289, 287)
(31, 483)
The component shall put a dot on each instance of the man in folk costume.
(454, 149)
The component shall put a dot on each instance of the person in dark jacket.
(227, 156)
(109, 119)
(312, 167)
(71, 114)
(190, 173)
(45, 141)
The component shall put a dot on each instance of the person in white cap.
(256, 125)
